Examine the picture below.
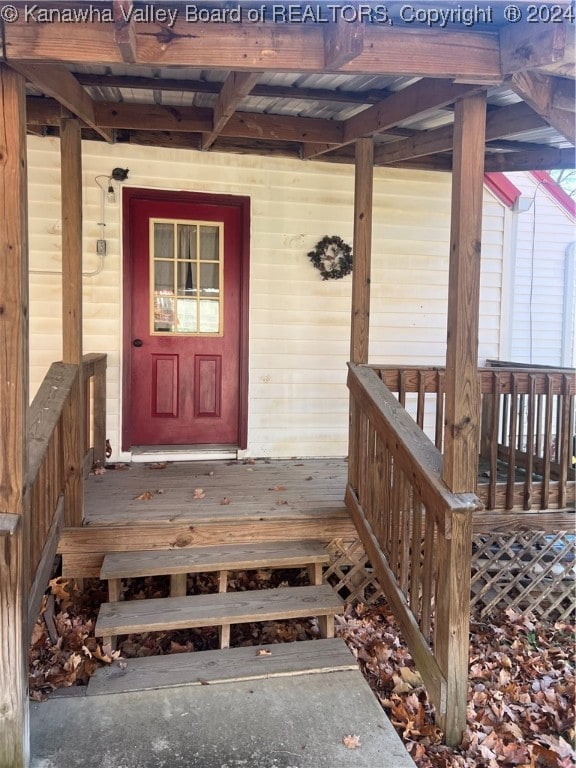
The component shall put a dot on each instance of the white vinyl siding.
(544, 233)
(299, 325)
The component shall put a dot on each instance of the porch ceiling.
(147, 74)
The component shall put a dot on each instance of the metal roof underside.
(273, 114)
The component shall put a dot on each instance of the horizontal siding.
(544, 232)
(299, 324)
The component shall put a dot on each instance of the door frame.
(158, 195)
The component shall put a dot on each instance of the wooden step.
(230, 664)
(232, 557)
(220, 609)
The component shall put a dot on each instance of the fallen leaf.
(351, 742)
(263, 652)
(278, 488)
(145, 496)
(199, 493)
(280, 502)
(157, 465)
(410, 676)
(225, 501)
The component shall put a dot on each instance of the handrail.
(418, 538)
(527, 430)
(45, 412)
(50, 423)
(416, 451)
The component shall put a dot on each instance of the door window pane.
(187, 316)
(209, 243)
(164, 314)
(186, 277)
(209, 316)
(163, 241)
(163, 277)
(209, 279)
(187, 241)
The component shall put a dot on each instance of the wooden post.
(362, 250)
(462, 425)
(71, 185)
(461, 436)
(452, 622)
(14, 735)
(362, 253)
(360, 319)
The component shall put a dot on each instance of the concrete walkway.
(281, 722)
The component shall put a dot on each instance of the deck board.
(233, 491)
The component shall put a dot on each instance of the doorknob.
(137, 343)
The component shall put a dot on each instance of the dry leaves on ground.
(351, 742)
(521, 691)
(521, 685)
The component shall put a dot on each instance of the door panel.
(185, 323)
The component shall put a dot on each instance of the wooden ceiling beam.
(56, 81)
(525, 46)
(235, 88)
(500, 123)
(467, 55)
(537, 90)
(564, 93)
(250, 125)
(343, 42)
(125, 31)
(402, 105)
(540, 159)
(372, 96)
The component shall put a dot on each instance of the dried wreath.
(333, 257)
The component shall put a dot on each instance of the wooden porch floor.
(209, 491)
(188, 504)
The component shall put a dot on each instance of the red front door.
(185, 261)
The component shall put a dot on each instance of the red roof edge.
(502, 187)
(555, 191)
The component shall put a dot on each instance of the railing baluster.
(547, 444)
(530, 445)
(420, 409)
(493, 450)
(512, 439)
(416, 555)
(563, 440)
(439, 427)
(428, 586)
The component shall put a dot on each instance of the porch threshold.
(148, 453)
(269, 723)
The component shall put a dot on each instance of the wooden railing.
(527, 430)
(49, 423)
(94, 379)
(418, 537)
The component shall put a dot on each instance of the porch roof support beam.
(538, 90)
(362, 250)
(56, 81)
(236, 86)
(462, 409)
(71, 186)
(462, 395)
(14, 735)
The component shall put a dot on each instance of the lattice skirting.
(526, 571)
(350, 573)
(522, 570)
